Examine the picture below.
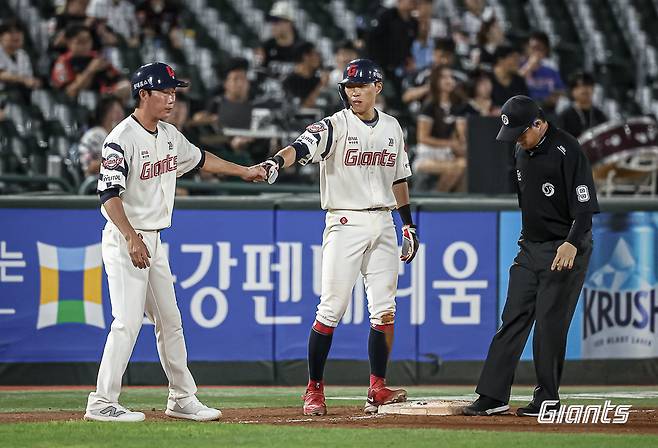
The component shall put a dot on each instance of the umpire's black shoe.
(532, 410)
(485, 406)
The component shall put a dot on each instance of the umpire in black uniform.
(557, 199)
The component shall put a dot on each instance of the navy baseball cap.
(154, 76)
(517, 116)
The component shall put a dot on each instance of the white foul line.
(7, 311)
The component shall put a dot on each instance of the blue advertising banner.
(247, 284)
(617, 313)
(620, 298)
(457, 314)
(53, 293)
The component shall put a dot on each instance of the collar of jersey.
(538, 147)
(367, 123)
(154, 133)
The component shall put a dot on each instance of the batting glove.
(409, 243)
(271, 166)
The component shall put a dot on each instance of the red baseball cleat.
(314, 399)
(383, 395)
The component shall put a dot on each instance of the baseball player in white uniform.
(363, 176)
(141, 159)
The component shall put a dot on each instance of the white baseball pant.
(359, 241)
(133, 293)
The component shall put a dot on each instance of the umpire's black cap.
(517, 116)
(154, 76)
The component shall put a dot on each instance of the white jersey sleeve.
(189, 155)
(318, 142)
(115, 162)
(402, 168)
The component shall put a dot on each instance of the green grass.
(196, 435)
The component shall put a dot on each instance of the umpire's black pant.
(547, 298)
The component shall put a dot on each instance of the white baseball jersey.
(144, 167)
(358, 163)
(18, 64)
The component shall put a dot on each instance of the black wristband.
(405, 215)
(278, 159)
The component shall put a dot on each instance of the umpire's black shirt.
(554, 181)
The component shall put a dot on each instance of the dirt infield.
(641, 421)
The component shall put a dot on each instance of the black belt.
(378, 209)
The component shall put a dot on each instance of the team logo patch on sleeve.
(112, 161)
(316, 127)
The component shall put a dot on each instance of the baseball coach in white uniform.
(141, 159)
(363, 176)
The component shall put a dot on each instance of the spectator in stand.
(471, 21)
(234, 110)
(305, 83)
(234, 107)
(541, 74)
(582, 114)
(278, 53)
(81, 68)
(158, 19)
(489, 38)
(345, 52)
(437, 26)
(423, 45)
(109, 112)
(73, 12)
(114, 19)
(389, 42)
(505, 78)
(416, 87)
(478, 89)
(15, 66)
(441, 148)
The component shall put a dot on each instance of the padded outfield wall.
(247, 274)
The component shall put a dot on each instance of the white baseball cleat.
(113, 412)
(194, 410)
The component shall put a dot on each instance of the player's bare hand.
(255, 173)
(564, 257)
(324, 78)
(139, 253)
(96, 65)
(32, 83)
